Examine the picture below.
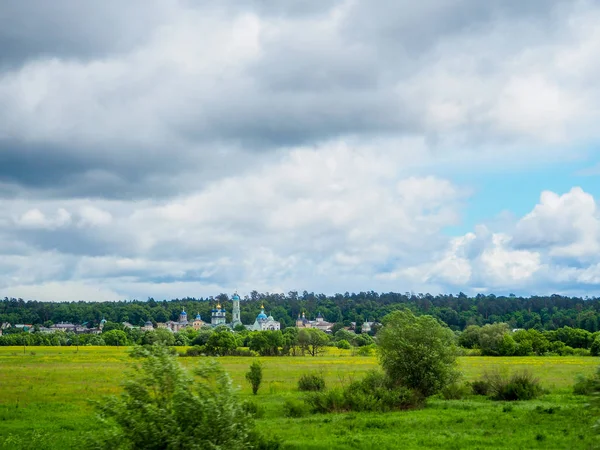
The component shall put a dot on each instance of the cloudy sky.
(173, 148)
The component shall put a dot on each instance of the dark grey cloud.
(74, 29)
(129, 109)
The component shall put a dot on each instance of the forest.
(457, 311)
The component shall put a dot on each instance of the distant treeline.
(458, 311)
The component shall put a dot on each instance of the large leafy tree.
(417, 352)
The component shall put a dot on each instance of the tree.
(254, 376)
(266, 343)
(290, 341)
(164, 407)
(115, 337)
(159, 336)
(221, 343)
(417, 352)
(469, 338)
(595, 347)
(109, 326)
(312, 341)
(491, 337)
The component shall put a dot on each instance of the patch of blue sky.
(500, 195)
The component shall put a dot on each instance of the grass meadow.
(46, 396)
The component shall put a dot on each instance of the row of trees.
(457, 311)
(498, 340)
(212, 341)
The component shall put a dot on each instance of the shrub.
(163, 406)
(375, 392)
(581, 352)
(242, 352)
(253, 409)
(294, 408)
(196, 350)
(254, 376)
(586, 385)
(595, 347)
(344, 344)
(480, 387)
(311, 382)
(519, 386)
(367, 350)
(455, 391)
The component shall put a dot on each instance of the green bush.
(344, 344)
(455, 391)
(196, 350)
(294, 408)
(367, 350)
(311, 382)
(595, 347)
(375, 393)
(586, 385)
(480, 387)
(519, 386)
(164, 406)
(253, 409)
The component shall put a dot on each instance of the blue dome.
(235, 297)
(198, 317)
(183, 313)
(262, 315)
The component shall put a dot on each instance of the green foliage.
(254, 376)
(455, 391)
(202, 337)
(417, 352)
(312, 341)
(367, 350)
(266, 343)
(254, 409)
(469, 338)
(518, 386)
(595, 347)
(221, 343)
(587, 385)
(363, 340)
(160, 336)
(491, 338)
(108, 326)
(343, 344)
(375, 392)
(295, 408)
(480, 387)
(311, 382)
(196, 350)
(115, 338)
(163, 407)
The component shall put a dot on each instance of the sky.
(181, 148)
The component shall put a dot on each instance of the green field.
(45, 403)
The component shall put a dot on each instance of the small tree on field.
(254, 376)
(417, 352)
